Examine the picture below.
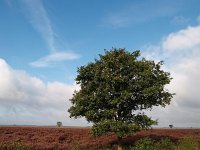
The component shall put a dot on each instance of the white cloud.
(181, 49)
(54, 58)
(28, 100)
(185, 39)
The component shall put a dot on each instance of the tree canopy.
(116, 88)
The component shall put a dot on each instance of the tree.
(116, 88)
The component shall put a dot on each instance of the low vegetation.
(48, 138)
(186, 143)
(150, 144)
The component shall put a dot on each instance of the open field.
(66, 138)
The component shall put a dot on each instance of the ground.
(46, 138)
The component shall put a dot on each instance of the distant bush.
(59, 124)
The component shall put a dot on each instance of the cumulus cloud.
(185, 39)
(28, 100)
(182, 51)
(54, 58)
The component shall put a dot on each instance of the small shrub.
(59, 124)
(188, 143)
(144, 144)
(149, 144)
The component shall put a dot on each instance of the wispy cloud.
(39, 19)
(140, 12)
(53, 58)
(8, 2)
(180, 20)
(198, 19)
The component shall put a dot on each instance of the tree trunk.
(119, 146)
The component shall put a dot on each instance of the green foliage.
(59, 124)
(188, 143)
(149, 144)
(116, 88)
(144, 144)
(165, 144)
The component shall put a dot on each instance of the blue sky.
(42, 42)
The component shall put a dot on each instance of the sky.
(43, 42)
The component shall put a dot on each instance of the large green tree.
(116, 88)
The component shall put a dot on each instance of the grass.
(2, 146)
(77, 146)
(13, 146)
(188, 143)
(18, 146)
